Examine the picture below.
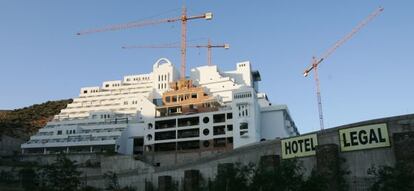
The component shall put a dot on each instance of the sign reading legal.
(364, 137)
(300, 146)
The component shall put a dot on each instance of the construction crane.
(316, 61)
(183, 18)
(209, 46)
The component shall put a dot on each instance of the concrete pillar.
(67, 149)
(269, 162)
(44, 151)
(327, 164)
(91, 149)
(403, 147)
(191, 180)
(148, 185)
(164, 183)
(22, 151)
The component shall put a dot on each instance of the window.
(85, 91)
(244, 129)
(174, 98)
(218, 118)
(229, 115)
(206, 120)
(229, 127)
(221, 142)
(149, 137)
(243, 95)
(168, 99)
(149, 125)
(165, 135)
(164, 147)
(244, 126)
(229, 139)
(219, 130)
(206, 132)
(59, 132)
(206, 143)
(194, 96)
(191, 121)
(188, 145)
(165, 124)
(243, 110)
(189, 133)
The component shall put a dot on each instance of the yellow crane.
(316, 61)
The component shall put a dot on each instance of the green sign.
(300, 146)
(364, 137)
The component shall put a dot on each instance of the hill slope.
(21, 123)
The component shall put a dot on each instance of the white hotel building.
(157, 112)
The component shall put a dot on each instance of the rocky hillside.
(21, 123)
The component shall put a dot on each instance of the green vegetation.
(21, 123)
(112, 183)
(28, 178)
(288, 176)
(62, 175)
(400, 177)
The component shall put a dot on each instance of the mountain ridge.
(24, 122)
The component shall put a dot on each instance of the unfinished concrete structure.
(158, 115)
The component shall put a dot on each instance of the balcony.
(190, 121)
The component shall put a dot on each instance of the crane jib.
(315, 63)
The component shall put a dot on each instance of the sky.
(368, 77)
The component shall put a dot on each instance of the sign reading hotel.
(300, 146)
(364, 137)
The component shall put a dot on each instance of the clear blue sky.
(369, 77)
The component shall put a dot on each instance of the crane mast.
(209, 46)
(183, 42)
(315, 61)
(183, 18)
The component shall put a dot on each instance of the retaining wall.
(136, 173)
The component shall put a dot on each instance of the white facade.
(119, 112)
